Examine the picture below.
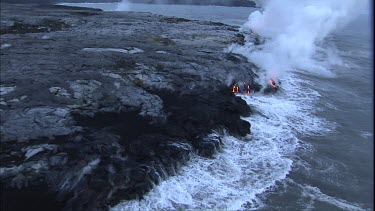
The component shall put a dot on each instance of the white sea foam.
(246, 167)
(310, 195)
(366, 134)
(5, 45)
(6, 89)
(128, 50)
(233, 178)
(294, 107)
(315, 194)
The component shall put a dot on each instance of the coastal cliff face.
(98, 107)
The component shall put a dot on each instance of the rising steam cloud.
(124, 5)
(294, 31)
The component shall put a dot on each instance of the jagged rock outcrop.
(97, 107)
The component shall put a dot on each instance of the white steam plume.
(294, 31)
(124, 5)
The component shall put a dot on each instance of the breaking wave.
(247, 167)
(315, 194)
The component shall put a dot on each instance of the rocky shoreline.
(98, 107)
(226, 3)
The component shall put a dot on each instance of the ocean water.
(311, 146)
(228, 15)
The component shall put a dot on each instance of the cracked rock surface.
(97, 107)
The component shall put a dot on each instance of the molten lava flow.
(273, 85)
(245, 89)
(235, 88)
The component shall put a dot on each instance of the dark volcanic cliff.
(96, 107)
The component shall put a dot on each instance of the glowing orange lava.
(235, 88)
(273, 84)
